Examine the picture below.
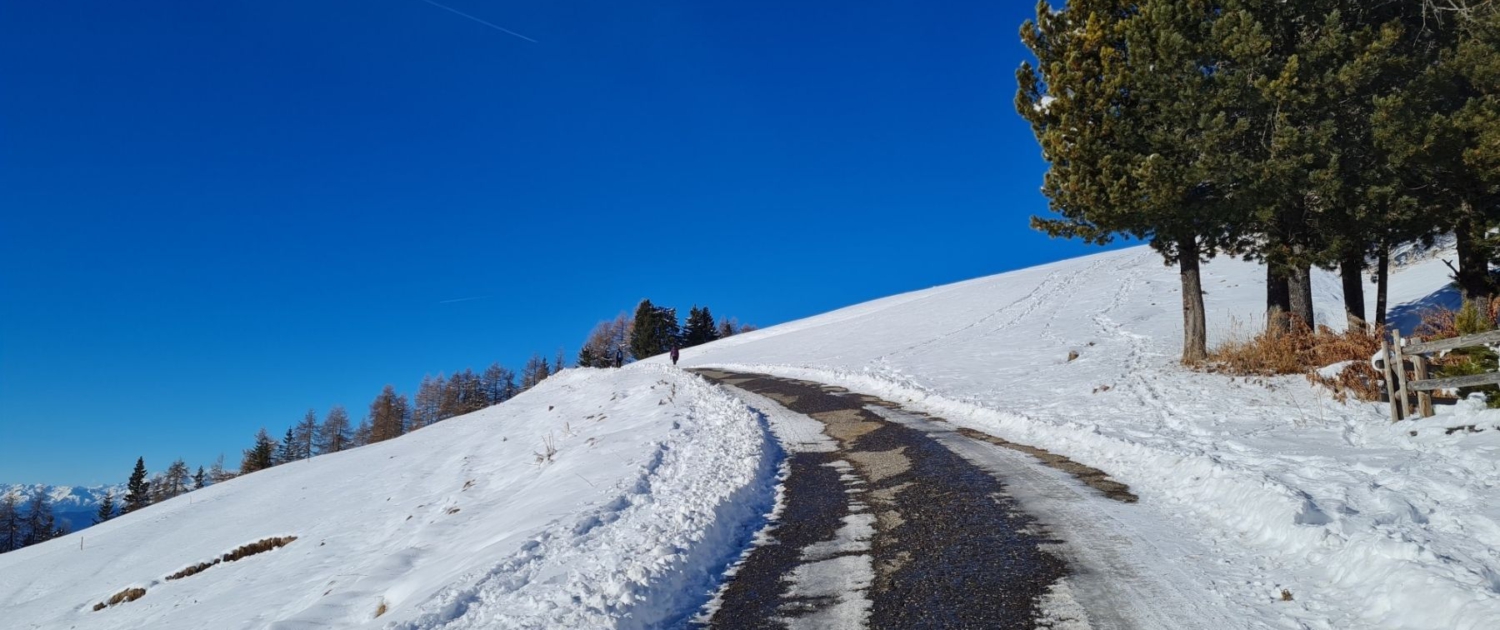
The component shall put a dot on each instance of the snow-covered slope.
(1362, 522)
(656, 481)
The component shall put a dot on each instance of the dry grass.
(192, 570)
(260, 546)
(380, 609)
(1303, 351)
(1293, 352)
(127, 595)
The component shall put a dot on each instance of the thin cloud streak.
(464, 299)
(502, 29)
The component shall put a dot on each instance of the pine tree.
(261, 455)
(472, 396)
(333, 436)
(106, 509)
(138, 490)
(728, 327)
(586, 357)
(200, 479)
(12, 529)
(305, 435)
(700, 328)
(645, 339)
(286, 452)
(1143, 127)
(559, 363)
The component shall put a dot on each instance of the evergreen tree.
(700, 328)
(138, 490)
(261, 455)
(728, 327)
(200, 479)
(105, 512)
(286, 452)
(559, 363)
(333, 436)
(586, 357)
(645, 336)
(305, 435)
(1143, 126)
(12, 528)
(41, 524)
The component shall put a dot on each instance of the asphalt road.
(949, 549)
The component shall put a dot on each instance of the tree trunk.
(1300, 287)
(1194, 324)
(1352, 270)
(1382, 277)
(1278, 301)
(1473, 260)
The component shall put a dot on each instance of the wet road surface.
(913, 535)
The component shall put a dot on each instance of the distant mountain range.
(74, 505)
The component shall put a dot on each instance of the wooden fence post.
(1390, 381)
(1401, 377)
(1424, 397)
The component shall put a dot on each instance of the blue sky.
(216, 215)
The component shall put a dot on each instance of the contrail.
(466, 299)
(502, 29)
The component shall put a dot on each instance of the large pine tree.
(1143, 127)
(138, 490)
(41, 523)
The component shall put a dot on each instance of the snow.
(1263, 503)
(1363, 524)
(658, 481)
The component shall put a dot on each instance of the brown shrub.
(127, 595)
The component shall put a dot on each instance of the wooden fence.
(1396, 354)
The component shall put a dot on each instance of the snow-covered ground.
(1362, 523)
(1248, 489)
(657, 482)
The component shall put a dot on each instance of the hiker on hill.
(619, 358)
(674, 355)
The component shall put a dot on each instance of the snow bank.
(656, 482)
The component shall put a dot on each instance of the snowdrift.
(656, 481)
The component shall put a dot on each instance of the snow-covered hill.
(657, 478)
(74, 505)
(1366, 524)
(598, 498)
